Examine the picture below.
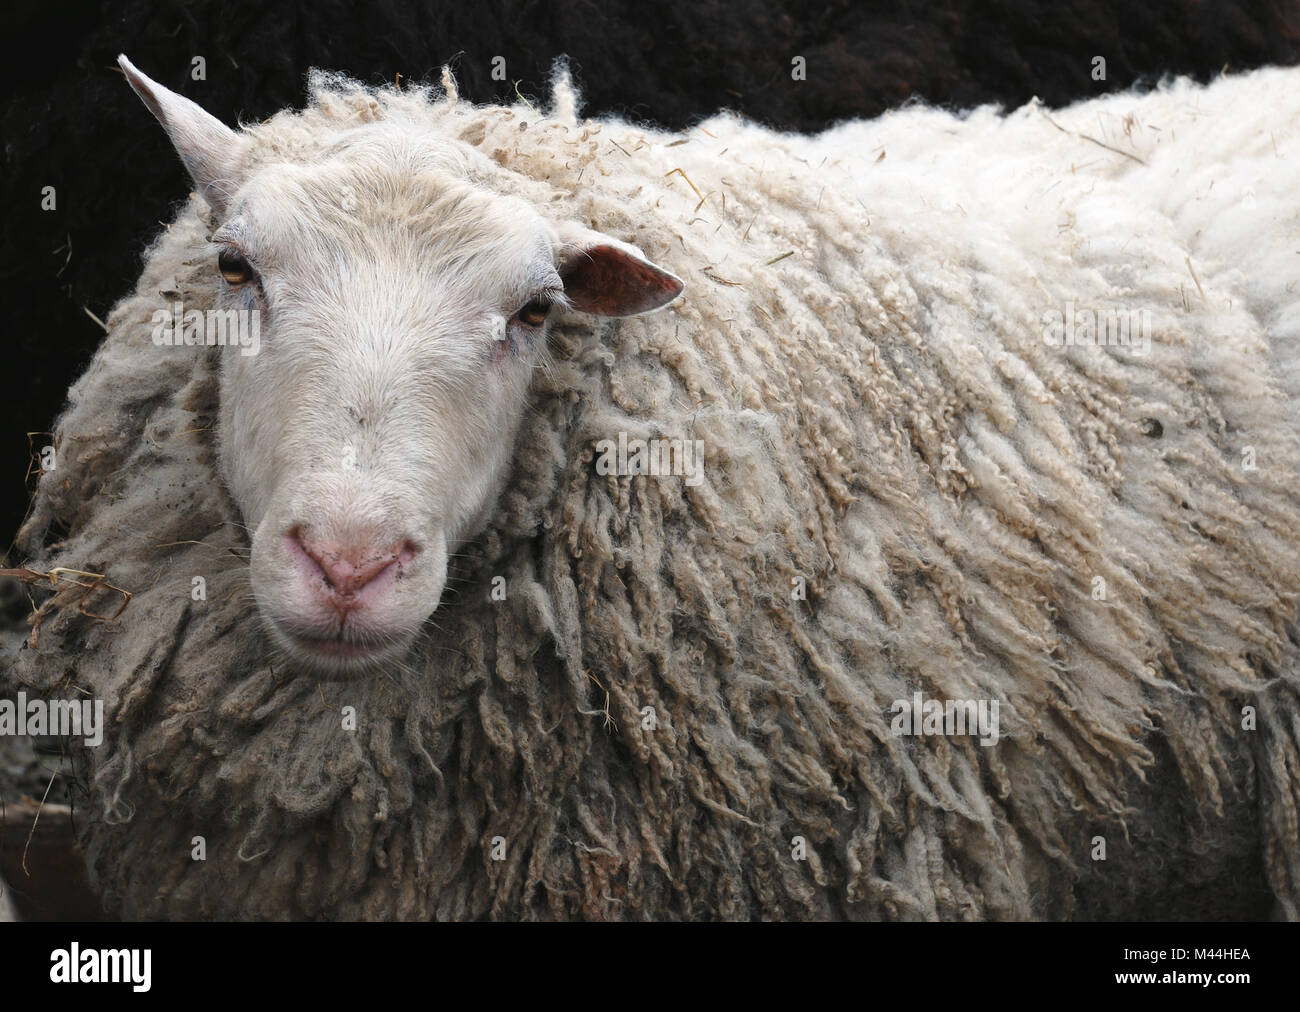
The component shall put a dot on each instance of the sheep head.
(401, 309)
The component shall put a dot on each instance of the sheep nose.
(347, 567)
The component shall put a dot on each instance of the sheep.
(8, 912)
(405, 639)
(673, 63)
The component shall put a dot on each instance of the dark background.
(71, 122)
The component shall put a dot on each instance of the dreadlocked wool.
(935, 465)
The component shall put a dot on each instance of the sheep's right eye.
(234, 268)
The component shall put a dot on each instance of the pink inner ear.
(607, 281)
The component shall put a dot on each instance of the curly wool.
(861, 351)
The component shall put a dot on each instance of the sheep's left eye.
(533, 314)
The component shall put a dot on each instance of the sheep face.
(403, 313)
(402, 309)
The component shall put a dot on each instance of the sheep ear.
(610, 278)
(208, 148)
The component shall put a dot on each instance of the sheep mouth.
(342, 652)
(336, 646)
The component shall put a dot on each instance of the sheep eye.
(534, 312)
(234, 268)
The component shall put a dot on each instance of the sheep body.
(8, 912)
(862, 352)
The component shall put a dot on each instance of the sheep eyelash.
(218, 243)
(554, 298)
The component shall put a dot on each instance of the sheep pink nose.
(347, 567)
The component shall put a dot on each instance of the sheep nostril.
(347, 566)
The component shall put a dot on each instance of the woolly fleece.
(882, 420)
